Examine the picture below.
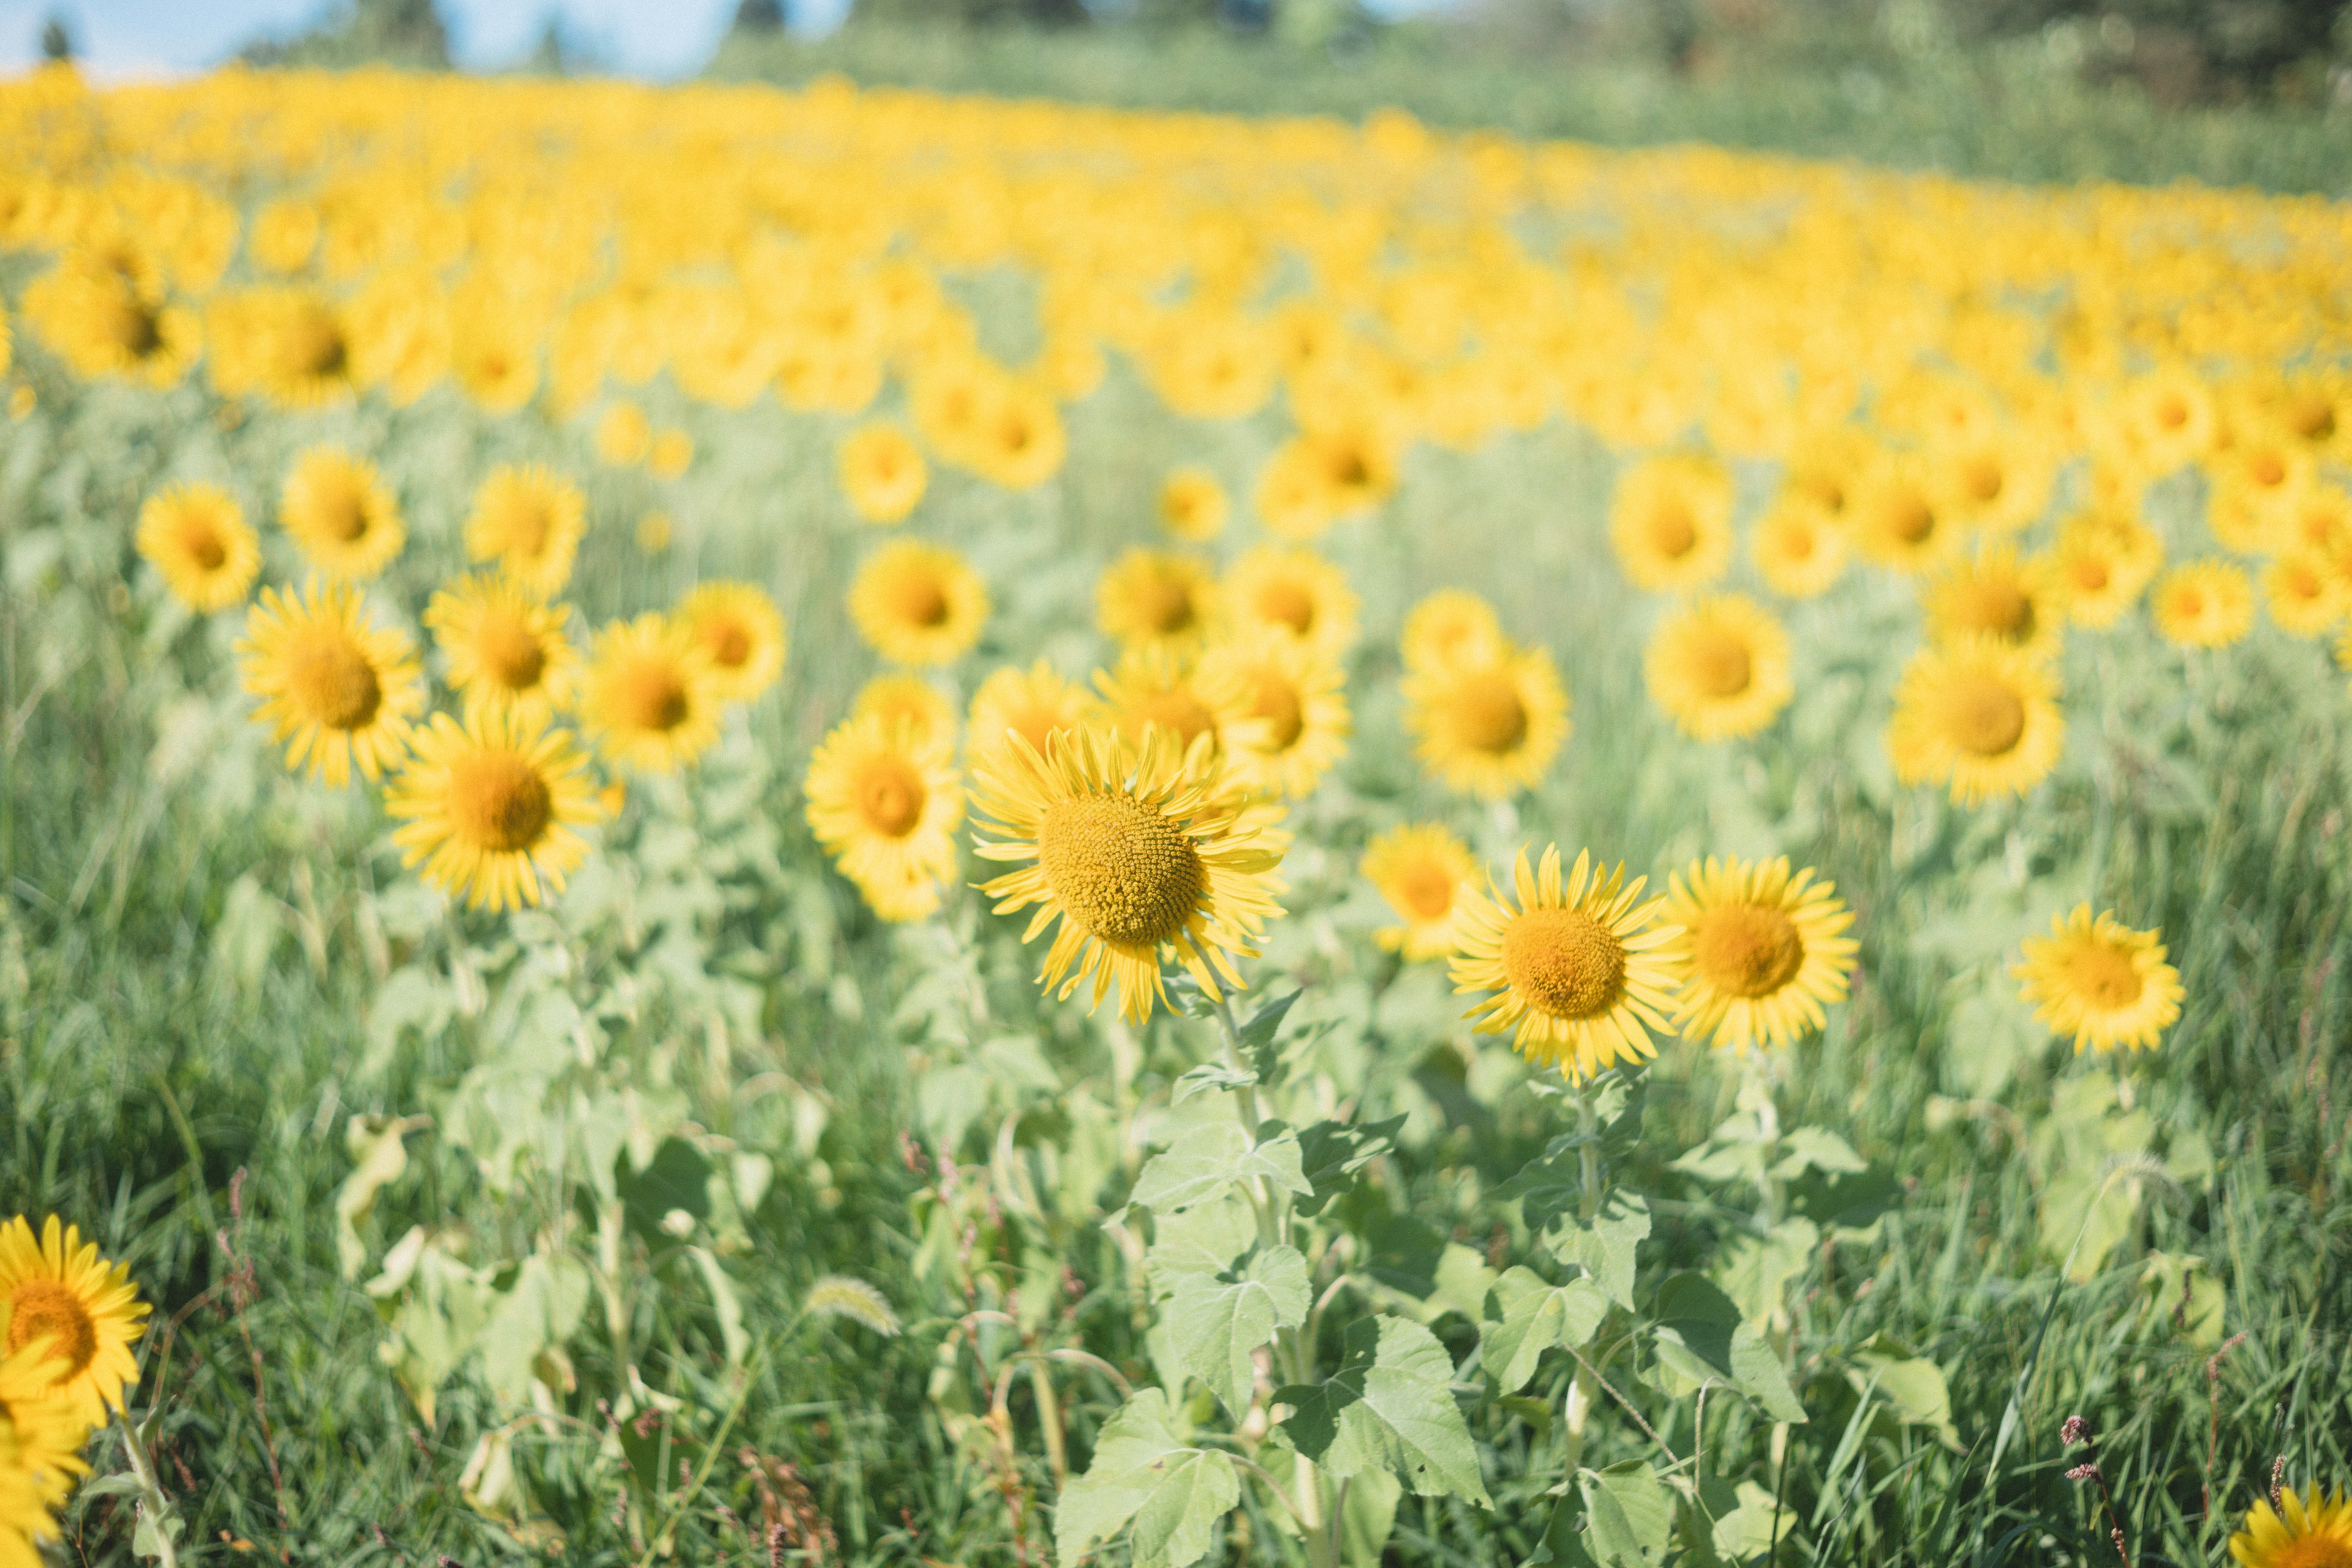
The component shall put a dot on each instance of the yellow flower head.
(2102, 561)
(1192, 505)
(2308, 1530)
(1761, 952)
(740, 631)
(491, 808)
(647, 701)
(919, 605)
(2204, 604)
(2304, 594)
(884, 800)
(529, 522)
(1897, 519)
(1452, 625)
(58, 1292)
(1798, 549)
(1155, 688)
(1281, 710)
(1136, 848)
(1997, 482)
(1999, 597)
(1156, 598)
(1489, 727)
(1295, 592)
(2101, 982)
(883, 472)
(1033, 703)
(340, 693)
(302, 351)
(1422, 869)
(1579, 968)
(1320, 476)
(1978, 716)
(104, 324)
(197, 537)
(507, 650)
(1719, 667)
(1670, 522)
(338, 509)
(623, 435)
(669, 454)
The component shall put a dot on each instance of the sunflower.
(2311, 1529)
(884, 800)
(1997, 597)
(908, 699)
(103, 324)
(338, 692)
(1762, 951)
(529, 522)
(507, 651)
(2204, 604)
(2103, 559)
(1997, 483)
(1581, 971)
(1977, 715)
(1155, 688)
(33, 1479)
(197, 537)
(40, 1440)
(1798, 549)
(1192, 505)
(1452, 625)
(1899, 520)
(623, 435)
(302, 350)
(1282, 711)
(882, 472)
(2101, 982)
(1020, 440)
(741, 630)
(59, 1292)
(1033, 704)
(916, 603)
(339, 511)
(2303, 596)
(1422, 869)
(1322, 475)
(669, 454)
(1155, 597)
(1295, 590)
(1719, 667)
(1136, 847)
(647, 701)
(1488, 726)
(1670, 522)
(2167, 418)
(489, 809)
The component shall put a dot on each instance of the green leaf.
(1747, 1529)
(1911, 1384)
(1604, 1249)
(1145, 1476)
(1332, 1153)
(1211, 1155)
(677, 1178)
(1367, 1517)
(725, 1302)
(1460, 1285)
(1257, 1038)
(1217, 1324)
(541, 1309)
(1208, 1077)
(1389, 1407)
(1203, 1239)
(1814, 1149)
(1701, 1339)
(1755, 1270)
(1534, 1317)
(1630, 1512)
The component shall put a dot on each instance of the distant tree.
(371, 32)
(756, 17)
(56, 39)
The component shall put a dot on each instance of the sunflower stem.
(152, 1503)
(1577, 1409)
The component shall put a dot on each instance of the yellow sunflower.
(2103, 559)
(339, 510)
(1978, 716)
(1422, 869)
(59, 1292)
(2000, 597)
(2101, 982)
(2308, 1529)
(337, 690)
(1491, 726)
(41, 1436)
(1798, 549)
(1719, 667)
(1192, 505)
(919, 605)
(1033, 704)
(1762, 950)
(507, 651)
(1322, 475)
(884, 800)
(1020, 440)
(1282, 711)
(1295, 590)
(490, 808)
(302, 350)
(1670, 522)
(104, 324)
(647, 700)
(1156, 597)
(908, 698)
(529, 522)
(1899, 520)
(1452, 625)
(623, 435)
(197, 537)
(882, 472)
(2303, 596)
(742, 631)
(1580, 969)
(2204, 604)
(1997, 482)
(1136, 848)
(1154, 687)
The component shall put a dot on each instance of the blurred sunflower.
(302, 351)
(507, 650)
(1579, 967)
(1761, 952)
(884, 800)
(1136, 848)
(1978, 716)
(1194, 506)
(1282, 711)
(1155, 688)
(1999, 597)
(1670, 522)
(1296, 592)
(1422, 869)
(2204, 604)
(1798, 549)
(338, 509)
(1719, 667)
(2101, 982)
(1020, 441)
(196, 538)
(740, 631)
(917, 604)
(1897, 521)
(1032, 703)
(2103, 561)
(1488, 727)
(340, 693)
(59, 1292)
(1450, 626)
(907, 699)
(41, 1436)
(491, 808)
(529, 522)
(623, 435)
(2308, 1529)
(1156, 598)
(1998, 482)
(103, 324)
(2304, 598)
(647, 701)
(882, 472)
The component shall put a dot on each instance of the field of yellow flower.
(843, 825)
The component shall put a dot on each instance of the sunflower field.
(839, 825)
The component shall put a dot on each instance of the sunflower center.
(1488, 712)
(1747, 950)
(528, 527)
(2104, 976)
(204, 544)
(1909, 519)
(1797, 543)
(1674, 533)
(728, 642)
(1165, 604)
(330, 678)
(2188, 602)
(1982, 716)
(890, 797)
(45, 1310)
(2310, 1551)
(132, 327)
(1348, 467)
(1983, 480)
(1125, 873)
(1565, 963)
(2268, 469)
(2091, 574)
(1426, 891)
(2171, 413)
(922, 601)
(499, 801)
(1288, 603)
(2313, 419)
(2001, 607)
(1278, 704)
(652, 697)
(341, 515)
(511, 654)
(1719, 662)
(314, 345)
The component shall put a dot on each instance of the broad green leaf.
(1700, 1338)
(1211, 1077)
(539, 1311)
(1332, 1153)
(1534, 1316)
(675, 1181)
(379, 1153)
(1257, 1038)
(1211, 1156)
(1462, 1282)
(1605, 1248)
(1755, 1270)
(1747, 1529)
(1203, 1239)
(1389, 1407)
(1815, 1149)
(1912, 1385)
(1630, 1514)
(725, 1302)
(1217, 1324)
(1368, 1517)
(1169, 1494)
